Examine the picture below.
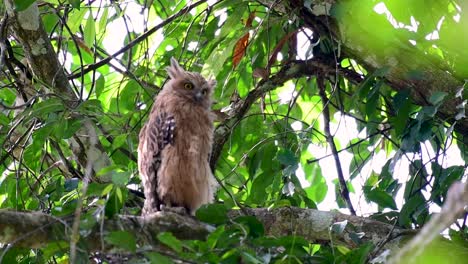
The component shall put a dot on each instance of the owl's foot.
(177, 210)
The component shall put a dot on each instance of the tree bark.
(35, 230)
(28, 29)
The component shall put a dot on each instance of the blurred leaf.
(21, 5)
(171, 241)
(75, 3)
(212, 213)
(339, 227)
(115, 202)
(380, 197)
(120, 178)
(258, 194)
(287, 157)
(90, 30)
(71, 184)
(122, 239)
(156, 258)
(256, 228)
(437, 97)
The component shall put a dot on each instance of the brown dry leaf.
(239, 49)
(241, 45)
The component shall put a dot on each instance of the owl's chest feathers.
(193, 133)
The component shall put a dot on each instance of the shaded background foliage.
(274, 106)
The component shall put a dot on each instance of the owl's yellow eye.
(204, 91)
(188, 86)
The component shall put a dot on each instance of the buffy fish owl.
(175, 144)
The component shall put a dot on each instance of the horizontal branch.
(18, 228)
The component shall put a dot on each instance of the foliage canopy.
(307, 91)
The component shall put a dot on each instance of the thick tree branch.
(28, 28)
(30, 32)
(406, 66)
(18, 227)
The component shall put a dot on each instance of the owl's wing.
(154, 137)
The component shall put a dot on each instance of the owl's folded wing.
(154, 137)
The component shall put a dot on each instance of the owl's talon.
(177, 210)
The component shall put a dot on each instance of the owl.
(175, 144)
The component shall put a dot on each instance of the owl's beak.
(198, 96)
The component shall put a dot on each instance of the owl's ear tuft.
(174, 70)
(212, 83)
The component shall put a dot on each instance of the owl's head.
(190, 85)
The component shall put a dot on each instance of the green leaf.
(248, 258)
(122, 239)
(115, 202)
(51, 105)
(402, 104)
(119, 141)
(121, 178)
(102, 24)
(71, 184)
(258, 192)
(156, 258)
(75, 3)
(287, 157)
(409, 208)
(256, 228)
(90, 31)
(171, 241)
(437, 97)
(380, 197)
(212, 214)
(339, 227)
(75, 18)
(318, 188)
(21, 5)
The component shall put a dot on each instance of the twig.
(326, 116)
(91, 158)
(137, 40)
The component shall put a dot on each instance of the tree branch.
(326, 119)
(29, 30)
(289, 71)
(17, 227)
(137, 40)
(406, 66)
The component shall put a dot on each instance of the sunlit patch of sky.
(303, 44)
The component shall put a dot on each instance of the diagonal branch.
(289, 71)
(28, 28)
(137, 40)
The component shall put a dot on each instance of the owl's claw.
(177, 210)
